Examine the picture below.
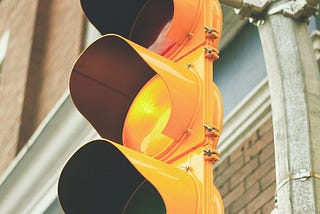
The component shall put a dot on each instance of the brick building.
(40, 128)
(45, 37)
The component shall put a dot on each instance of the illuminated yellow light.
(146, 119)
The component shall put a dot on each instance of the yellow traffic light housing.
(157, 110)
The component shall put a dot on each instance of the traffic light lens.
(146, 119)
(146, 199)
(100, 179)
(151, 20)
(141, 20)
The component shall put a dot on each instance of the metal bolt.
(208, 50)
(209, 128)
(208, 30)
(189, 35)
(209, 152)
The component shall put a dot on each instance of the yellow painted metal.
(181, 89)
(181, 184)
(196, 47)
(200, 15)
(181, 85)
(177, 186)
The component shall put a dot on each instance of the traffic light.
(148, 91)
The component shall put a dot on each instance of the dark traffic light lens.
(100, 179)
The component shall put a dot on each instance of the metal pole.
(294, 82)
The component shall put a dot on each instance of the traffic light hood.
(92, 182)
(113, 71)
(139, 20)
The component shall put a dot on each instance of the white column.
(294, 83)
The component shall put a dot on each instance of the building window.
(4, 40)
(240, 68)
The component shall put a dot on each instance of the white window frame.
(4, 41)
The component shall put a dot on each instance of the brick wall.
(246, 178)
(18, 17)
(45, 39)
(57, 44)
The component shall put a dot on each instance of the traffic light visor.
(130, 94)
(106, 177)
(140, 20)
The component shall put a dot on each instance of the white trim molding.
(4, 40)
(248, 116)
(29, 185)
